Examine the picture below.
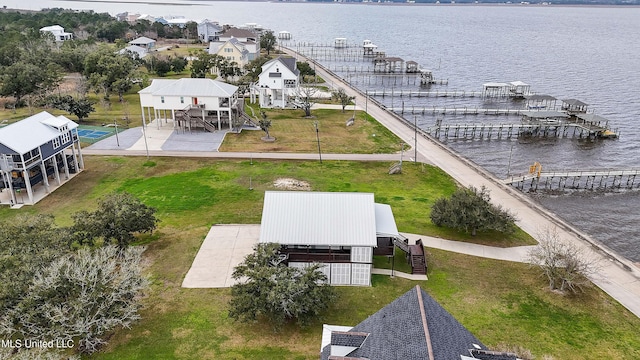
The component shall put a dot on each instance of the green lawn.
(295, 133)
(500, 302)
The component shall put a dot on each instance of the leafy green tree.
(266, 288)
(228, 69)
(112, 30)
(23, 79)
(29, 243)
(191, 30)
(108, 72)
(162, 67)
(342, 97)
(80, 297)
(80, 107)
(254, 68)
(118, 217)
(268, 41)
(470, 210)
(203, 63)
(305, 69)
(178, 64)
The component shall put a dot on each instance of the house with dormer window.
(277, 83)
(37, 154)
(248, 40)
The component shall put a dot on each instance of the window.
(66, 137)
(181, 99)
(162, 99)
(56, 142)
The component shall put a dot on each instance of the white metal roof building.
(199, 94)
(339, 229)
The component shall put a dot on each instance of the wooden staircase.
(184, 116)
(418, 261)
(414, 254)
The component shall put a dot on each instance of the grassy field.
(500, 302)
(295, 133)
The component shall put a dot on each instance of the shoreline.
(619, 277)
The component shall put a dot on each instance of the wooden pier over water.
(608, 179)
(508, 131)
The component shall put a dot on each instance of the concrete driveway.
(223, 249)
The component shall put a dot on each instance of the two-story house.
(249, 40)
(336, 229)
(232, 50)
(190, 103)
(34, 151)
(209, 31)
(277, 83)
(58, 32)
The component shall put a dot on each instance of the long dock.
(410, 93)
(508, 131)
(577, 179)
(456, 110)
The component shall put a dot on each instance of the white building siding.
(340, 274)
(361, 274)
(361, 254)
(324, 268)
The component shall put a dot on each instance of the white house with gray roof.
(277, 83)
(144, 42)
(35, 151)
(190, 102)
(337, 229)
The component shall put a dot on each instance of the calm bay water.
(591, 54)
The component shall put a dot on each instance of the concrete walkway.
(618, 277)
(516, 253)
(222, 250)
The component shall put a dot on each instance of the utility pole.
(115, 124)
(144, 134)
(315, 123)
(415, 139)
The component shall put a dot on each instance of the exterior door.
(195, 101)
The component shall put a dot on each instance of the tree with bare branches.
(305, 96)
(566, 266)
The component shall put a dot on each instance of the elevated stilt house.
(191, 103)
(36, 155)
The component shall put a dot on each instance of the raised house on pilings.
(37, 154)
(190, 103)
(277, 83)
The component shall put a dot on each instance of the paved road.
(617, 276)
